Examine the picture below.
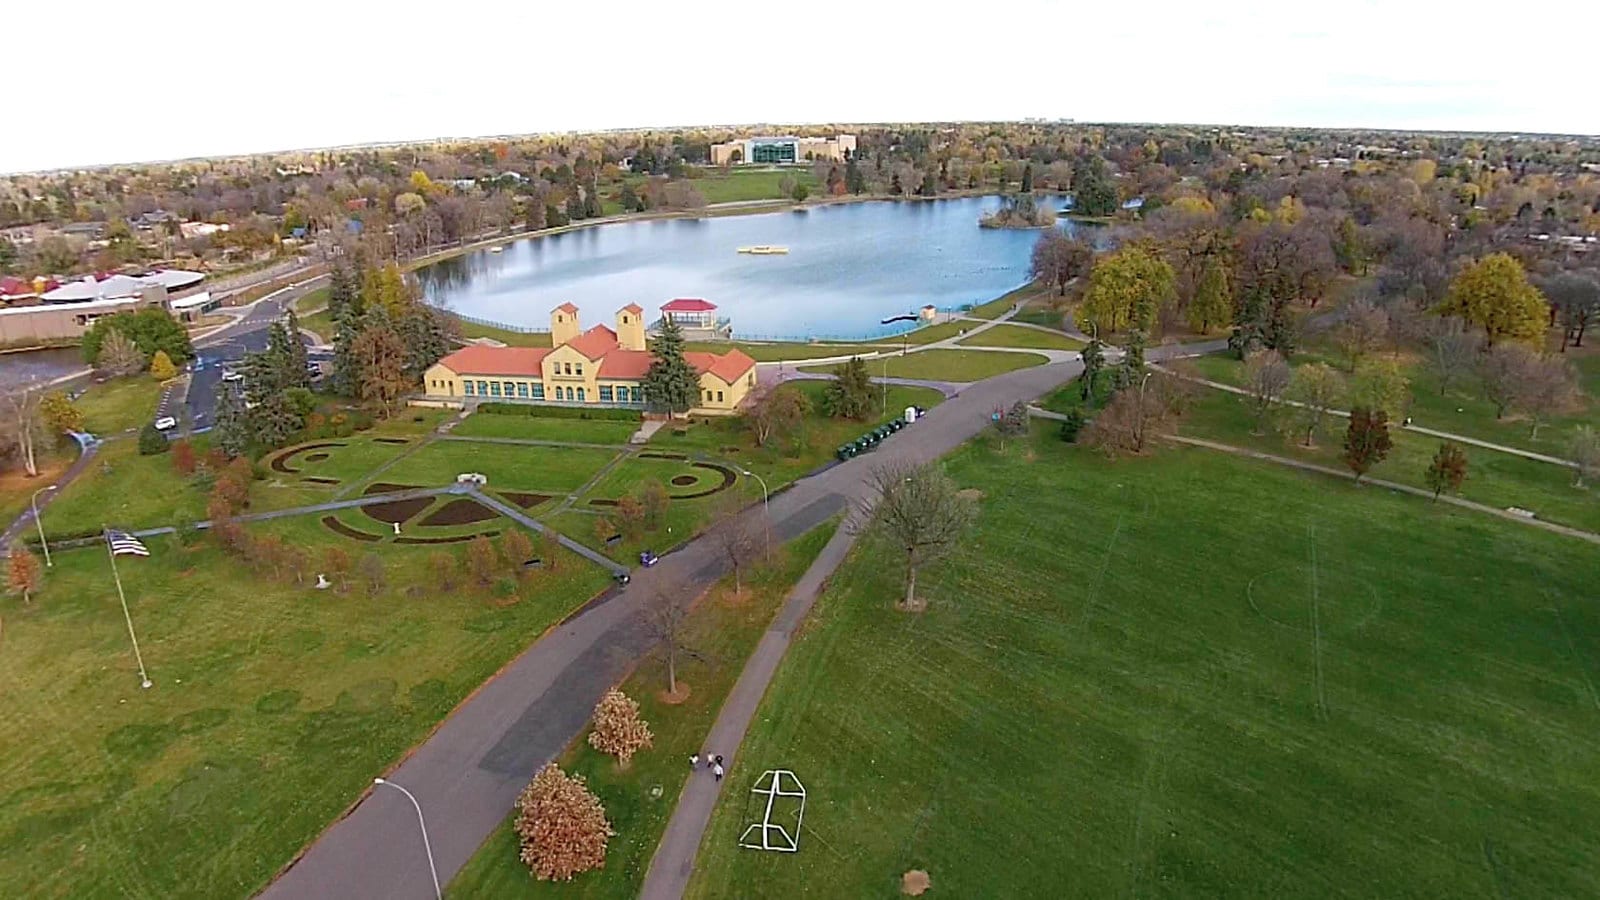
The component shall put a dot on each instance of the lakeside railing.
(812, 337)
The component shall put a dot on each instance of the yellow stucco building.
(601, 366)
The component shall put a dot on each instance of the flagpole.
(126, 617)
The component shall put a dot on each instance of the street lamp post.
(425, 845)
(34, 502)
(766, 511)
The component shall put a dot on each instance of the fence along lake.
(848, 266)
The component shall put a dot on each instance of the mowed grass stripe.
(1172, 744)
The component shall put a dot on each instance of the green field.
(1494, 478)
(723, 631)
(122, 489)
(751, 184)
(1463, 410)
(273, 708)
(514, 466)
(540, 428)
(1188, 675)
(1017, 336)
(726, 438)
(959, 366)
(120, 404)
(312, 311)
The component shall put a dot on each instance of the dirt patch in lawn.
(316, 480)
(684, 480)
(728, 477)
(972, 494)
(673, 698)
(340, 528)
(280, 463)
(659, 455)
(392, 511)
(915, 883)
(448, 539)
(604, 502)
(392, 440)
(460, 511)
(386, 487)
(525, 500)
(316, 457)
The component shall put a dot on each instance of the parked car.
(232, 375)
(166, 423)
(477, 478)
(647, 558)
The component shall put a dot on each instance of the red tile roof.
(11, 286)
(688, 304)
(634, 308)
(729, 367)
(625, 364)
(566, 308)
(594, 343)
(480, 360)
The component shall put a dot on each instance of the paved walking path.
(468, 773)
(673, 862)
(1589, 536)
(517, 515)
(1432, 432)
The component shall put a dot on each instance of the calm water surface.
(848, 266)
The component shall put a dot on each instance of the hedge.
(561, 412)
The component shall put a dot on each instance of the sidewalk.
(674, 859)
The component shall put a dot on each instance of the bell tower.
(630, 327)
(563, 324)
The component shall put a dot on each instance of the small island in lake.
(1019, 211)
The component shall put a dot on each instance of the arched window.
(580, 395)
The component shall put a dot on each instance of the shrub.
(1072, 425)
(151, 440)
(561, 412)
(505, 586)
(618, 729)
(161, 367)
(183, 458)
(562, 826)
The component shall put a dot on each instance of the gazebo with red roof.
(691, 312)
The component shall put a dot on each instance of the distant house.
(690, 312)
(601, 366)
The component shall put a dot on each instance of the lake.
(848, 266)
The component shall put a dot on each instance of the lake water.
(38, 366)
(848, 266)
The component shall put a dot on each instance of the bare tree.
(1503, 369)
(1135, 415)
(119, 356)
(1452, 351)
(1575, 300)
(668, 621)
(1549, 387)
(1585, 451)
(734, 534)
(22, 426)
(1266, 375)
(919, 510)
(1057, 258)
(1361, 330)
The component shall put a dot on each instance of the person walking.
(694, 761)
(716, 769)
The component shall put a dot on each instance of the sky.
(106, 81)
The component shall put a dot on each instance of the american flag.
(125, 544)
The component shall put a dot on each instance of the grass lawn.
(119, 404)
(750, 184)
(585, 431)
(724, 629)
(122, 489)
(1498, 479)
(513, 466)
(1462, 410)
(1016, 336)
(17, 489)
(949, 365)
(779, 465)
(312, 311)
(1002, 304)
(1187, 675)
(273, 709)
(780, 351)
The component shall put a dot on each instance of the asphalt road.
(227, 347)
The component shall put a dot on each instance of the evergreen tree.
(1250, 326)
(1133, 360)
(342, 291)
(574, 208)
(591, 201)
(232, 431)
(630, 200)
(849, 394)
(670, 386)
(854, 181)
(296, 373)
(1093, 361)
(426, 335)
(1093, 193)
(1027, 178)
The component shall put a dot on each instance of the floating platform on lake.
(764, 250)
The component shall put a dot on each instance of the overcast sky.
(112, 81)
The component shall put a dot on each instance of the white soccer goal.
(767, 834)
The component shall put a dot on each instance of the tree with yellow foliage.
(1494, 293)
(161, 367)
(1127, 288)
